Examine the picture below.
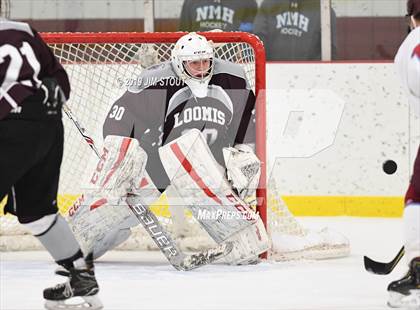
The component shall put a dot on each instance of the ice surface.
(144, 280)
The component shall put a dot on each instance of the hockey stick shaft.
(151, 224)
(383, 268)
(82, 130)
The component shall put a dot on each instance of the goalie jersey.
(161, 107)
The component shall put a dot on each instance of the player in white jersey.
(406, 291)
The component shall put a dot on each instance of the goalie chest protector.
(160, 108)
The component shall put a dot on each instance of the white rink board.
(374, 126)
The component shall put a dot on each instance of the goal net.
(101, 66)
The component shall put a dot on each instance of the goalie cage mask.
(193, 47)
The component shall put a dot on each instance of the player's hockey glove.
(53, 96)
(46, 102)
(243, 169)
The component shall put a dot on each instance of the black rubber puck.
(389, 167)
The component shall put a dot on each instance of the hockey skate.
(81, 283)
(405, 292)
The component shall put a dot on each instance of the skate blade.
(409, 302)
(86, 302)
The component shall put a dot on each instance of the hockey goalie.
(188, 129)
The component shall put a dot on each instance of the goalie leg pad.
(248, 244)
(122, 163)
(176, 208)
(97, 223)
(101, 218)
(200, 182)
(110, 241)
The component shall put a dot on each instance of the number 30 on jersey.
(117, 112)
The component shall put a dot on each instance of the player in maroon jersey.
(33, 88)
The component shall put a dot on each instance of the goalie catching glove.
(243, 169)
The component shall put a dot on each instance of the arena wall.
(331, 127)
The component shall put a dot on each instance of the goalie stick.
(383, 268)
(168, 247)
(151, 224)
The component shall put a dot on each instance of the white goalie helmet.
(192, 60)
